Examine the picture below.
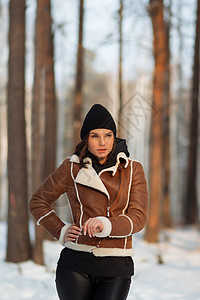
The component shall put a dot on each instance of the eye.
(109, 134)
(94, 136)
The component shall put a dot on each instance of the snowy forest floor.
(177, 276)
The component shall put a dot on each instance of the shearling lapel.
(88, 177)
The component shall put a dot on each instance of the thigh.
(72, 285)
(112, 288)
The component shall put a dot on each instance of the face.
(100, 143)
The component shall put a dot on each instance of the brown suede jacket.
(117, 196)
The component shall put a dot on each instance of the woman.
(107, 195)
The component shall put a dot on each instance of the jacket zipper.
(110, 204)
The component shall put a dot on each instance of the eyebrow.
(109, 132)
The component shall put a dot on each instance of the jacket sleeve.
(42, 200)
(135, 216)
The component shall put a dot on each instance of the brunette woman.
(107, 195)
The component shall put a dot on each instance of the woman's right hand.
(72, 233)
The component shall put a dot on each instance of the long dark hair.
(82, 150)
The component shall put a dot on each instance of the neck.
(102, 160)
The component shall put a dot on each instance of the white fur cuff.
(62, 234)
(107, 227)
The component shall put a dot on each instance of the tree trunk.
(79, 78)
(38, 117)
(18, 243)
(156, 143)
(43, 110)
(191, 202)
(120, 69)
(50, 97)
(50, 118)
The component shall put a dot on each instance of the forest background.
(138, 58)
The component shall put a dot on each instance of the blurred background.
(140, 59)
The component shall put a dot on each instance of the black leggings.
(79, 286)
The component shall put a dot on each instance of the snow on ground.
(176, 277)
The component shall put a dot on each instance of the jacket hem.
(97, 251)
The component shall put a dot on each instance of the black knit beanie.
(97, 117)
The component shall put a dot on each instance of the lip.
(101, 150)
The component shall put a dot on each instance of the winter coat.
(117, 196)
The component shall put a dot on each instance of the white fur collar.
(114, 168)
(88, 176)
(75, 158)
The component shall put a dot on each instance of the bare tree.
(78, 99)
(191, 203)
(50, 96)
(156, 10)
(43, 110)
(18, 244)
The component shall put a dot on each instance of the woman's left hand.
(91, 226)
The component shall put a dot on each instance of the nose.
(101, 140)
